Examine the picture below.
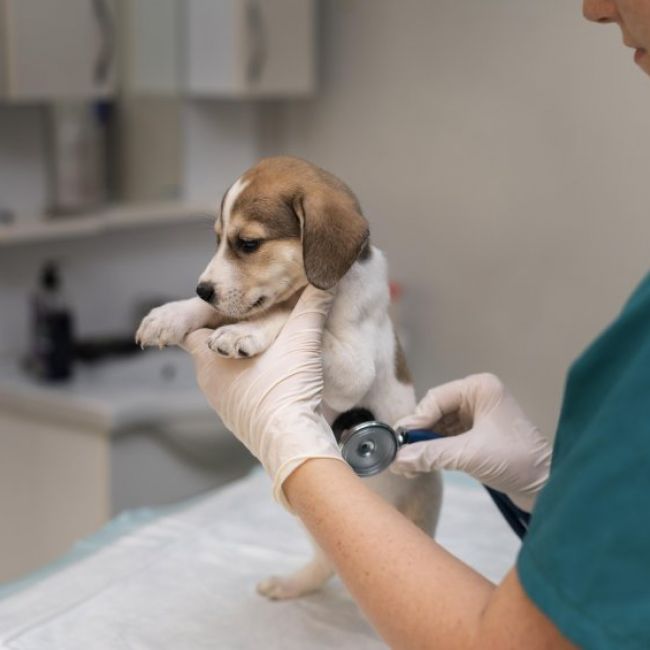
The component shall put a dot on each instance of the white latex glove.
(490, 438)
(272, 402)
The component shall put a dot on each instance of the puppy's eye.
(248, 245)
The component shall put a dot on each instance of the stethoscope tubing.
(517, 519)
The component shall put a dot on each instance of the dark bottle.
(53, 342)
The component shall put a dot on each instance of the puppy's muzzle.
(205, 291)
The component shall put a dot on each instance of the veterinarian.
(583, 574)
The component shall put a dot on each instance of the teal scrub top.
(585, 561)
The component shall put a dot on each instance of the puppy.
(285, 223)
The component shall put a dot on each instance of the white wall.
(221, 141)
(500, 150)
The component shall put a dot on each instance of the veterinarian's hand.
(272, 402)
(490, 438)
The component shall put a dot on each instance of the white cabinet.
(54, 488)
(250, 47)
(221, 48)
(53, 49)
(151, 46)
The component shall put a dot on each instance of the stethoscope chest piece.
(369, 447)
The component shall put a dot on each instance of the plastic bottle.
(53, 340)
(77, 157)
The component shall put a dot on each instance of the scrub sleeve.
(585, 561)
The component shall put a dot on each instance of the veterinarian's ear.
(334, 232)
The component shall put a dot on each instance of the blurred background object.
(478, 137)
(78, 173)
(51, 356)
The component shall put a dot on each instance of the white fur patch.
(231, 196)
(227, 270)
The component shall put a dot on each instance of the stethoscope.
(370, 447)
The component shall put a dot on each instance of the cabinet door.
(58, 49)
(54, 489)
(214, 45)
(250, 48)
(278, 53)
(151, 46)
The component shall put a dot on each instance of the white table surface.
(187, 579)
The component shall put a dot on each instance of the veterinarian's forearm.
(416, 594)
(414, 591)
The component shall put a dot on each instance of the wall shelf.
(110, 219)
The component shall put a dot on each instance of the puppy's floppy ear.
(334, 232)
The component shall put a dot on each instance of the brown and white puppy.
(285, 223)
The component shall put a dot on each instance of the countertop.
(150, 388)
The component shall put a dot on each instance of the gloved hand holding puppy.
(272, 403)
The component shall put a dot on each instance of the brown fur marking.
(284, 192)
(402, 371)
(278, 221)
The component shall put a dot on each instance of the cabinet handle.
(106, 53)
(257, 42)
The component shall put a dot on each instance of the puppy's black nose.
(205, 291)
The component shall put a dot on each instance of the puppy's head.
(284, 223)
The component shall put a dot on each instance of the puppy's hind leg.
(306, 580)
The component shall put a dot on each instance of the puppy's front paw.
(277, 588)
(238, 341)
(166, 325)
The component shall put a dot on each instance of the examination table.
(184, 577)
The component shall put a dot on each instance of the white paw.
(277, 588)
(238, 341)
(166, 325)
